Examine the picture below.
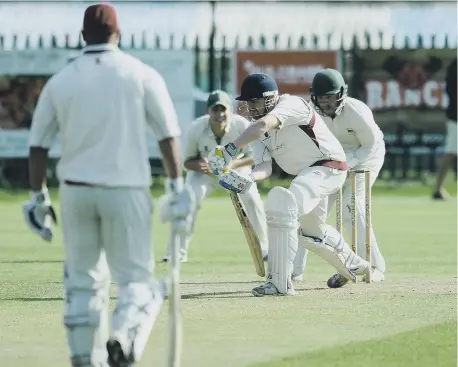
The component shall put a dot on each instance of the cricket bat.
(175, 316)
(250, 234)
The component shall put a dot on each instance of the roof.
(141, 23)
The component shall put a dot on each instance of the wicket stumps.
(354, 214)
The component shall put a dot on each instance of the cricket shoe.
(116, 357)
(268, 289)
(441, 195)
(338, 280)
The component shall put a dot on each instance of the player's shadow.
(221, 282)
(311, 289)
(40, 299)
(32, 262)
(210, 295)
(237, 294)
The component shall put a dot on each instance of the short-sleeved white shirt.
(355, 128)
(102, 104)
(200, 139)
(301, 140)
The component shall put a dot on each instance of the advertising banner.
(406, 88)
(24, 73)
(292, 70)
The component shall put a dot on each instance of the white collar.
(101, 47)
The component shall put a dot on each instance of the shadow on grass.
(222, 282)
(32, 262)
(236, 294)
(39, 299)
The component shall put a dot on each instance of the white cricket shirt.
(356, 130)
(302, 139)
(200, 139)
(101, 104)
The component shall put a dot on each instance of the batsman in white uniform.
(352, 123)
(219, 126)
(102, 104)
(286, 128)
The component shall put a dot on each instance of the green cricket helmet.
(328, 92)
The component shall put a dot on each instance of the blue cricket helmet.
(256, 86)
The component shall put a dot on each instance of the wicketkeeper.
(353, 124)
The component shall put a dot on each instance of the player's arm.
(256, 130)
(241, 162)
(38, 212)
(287, 112)
(191, 151)
(192, 159)
(43, 131)
(262, 161)
(245, 158)
(162, 118)
(368, 135)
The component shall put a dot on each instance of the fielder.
(286, 128)
(451, 146)
(101, 104)
(219, 126)
(352, 123)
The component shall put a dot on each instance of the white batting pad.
(281, 215)
(336, 240)
(86, 322)
(135, 314)
(333, 255)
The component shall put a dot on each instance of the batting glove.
(39, 214)
(220, 158)
(178, 205)
(235, 181)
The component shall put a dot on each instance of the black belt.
(78, 183)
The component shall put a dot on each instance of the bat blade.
(250, 235)
(175, 315)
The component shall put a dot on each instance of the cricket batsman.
(352, 123)
(101, 104)
(218, 126)
(286, 128)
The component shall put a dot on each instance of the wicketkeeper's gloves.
(39, 214)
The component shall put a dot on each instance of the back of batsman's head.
(100, 23)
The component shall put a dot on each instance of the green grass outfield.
(408, 320)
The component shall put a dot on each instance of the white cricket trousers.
(106, 231)
(312, 188)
